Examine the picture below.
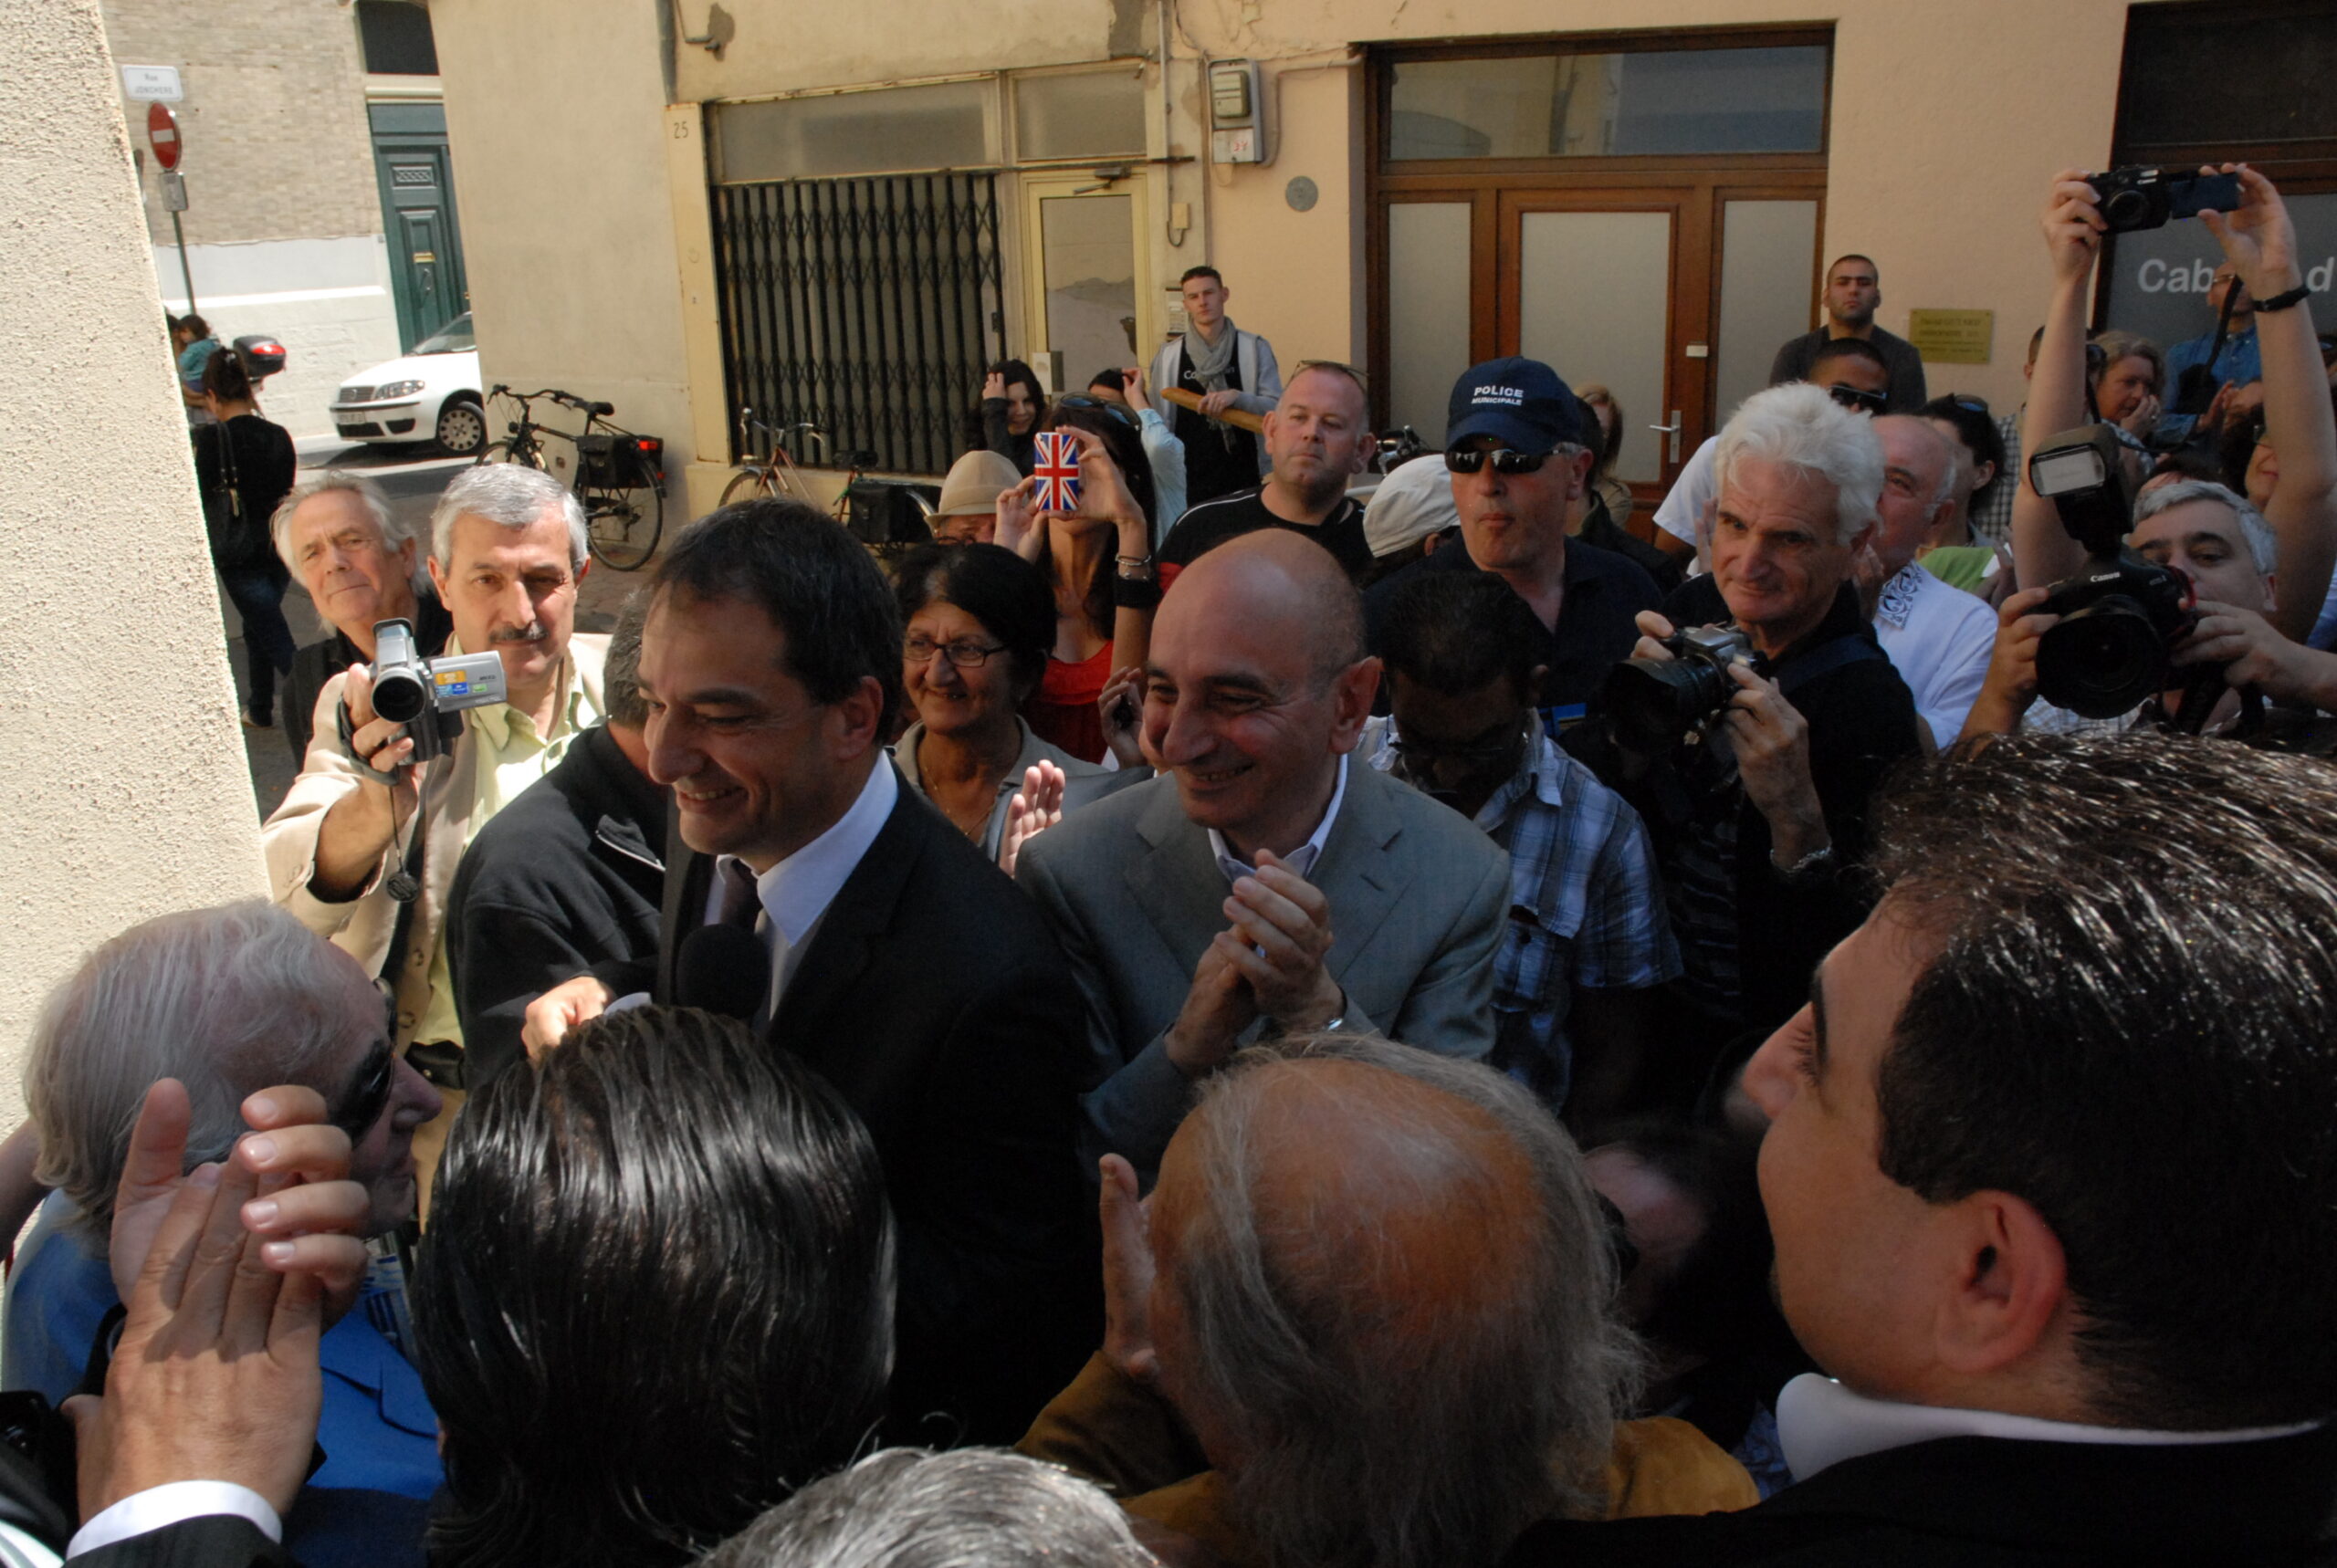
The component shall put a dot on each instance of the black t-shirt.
(1219, 459)
(255, 460)
(1210, 524)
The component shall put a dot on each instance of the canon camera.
(2122, 615)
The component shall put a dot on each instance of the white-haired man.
(229, 1002)
(358, 826)
(1938, 636)
(360, 565)
(1757, 826)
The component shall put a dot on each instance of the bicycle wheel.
(530, 454)
(622, 525)
(752, 484)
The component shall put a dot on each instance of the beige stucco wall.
(128, 790)
(555, 117)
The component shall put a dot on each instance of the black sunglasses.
(1081, 400)
(1857, 400)
(369, 1091)
(1506, 460)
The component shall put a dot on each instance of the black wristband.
(1135, 594)
(2296, 296)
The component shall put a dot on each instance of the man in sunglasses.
(1854, 374)
(1518, 445)
(229, 1001)
(1587, 937)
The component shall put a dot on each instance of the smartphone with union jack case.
(1056, 470)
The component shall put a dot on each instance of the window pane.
(2158, 278)
(1768, 250)
(1428, 335)
(939, 127)
(1623, 260)
(2174, 53)
(1087, 245)
(1593, 106)
(1092, 114)
(395, 37)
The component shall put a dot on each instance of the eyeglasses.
(1858, 400)
(368, 1093)
(1416, 755)
(1081, 400)
(967, 655)
(1469, 459)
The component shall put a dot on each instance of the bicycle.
(778, 473)
(619, 477)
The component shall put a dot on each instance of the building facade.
(301, 124)
(840, 214)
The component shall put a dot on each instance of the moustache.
(535, 633)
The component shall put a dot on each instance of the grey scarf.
(1212, 366)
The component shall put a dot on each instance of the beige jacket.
(365, 926)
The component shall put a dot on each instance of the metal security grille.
(867, 306)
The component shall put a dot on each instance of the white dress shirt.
(795, 894)
(174, 1503)
(1300, 860)
(1820, 1423)
(1939, 639)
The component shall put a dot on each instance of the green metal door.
(418, 211)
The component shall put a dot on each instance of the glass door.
(1083, 311)
(1589, 286)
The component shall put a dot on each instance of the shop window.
(1088, 114)
(944, 125)
(2225, 75)
(395, 37)
(1594, 105)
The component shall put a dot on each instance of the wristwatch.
(2282, 301)
(1808, 865)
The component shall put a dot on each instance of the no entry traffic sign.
(163, 131)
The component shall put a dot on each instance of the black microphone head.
(723, 969)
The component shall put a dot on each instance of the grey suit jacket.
(1417, 898)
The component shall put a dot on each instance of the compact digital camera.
(2146, 198)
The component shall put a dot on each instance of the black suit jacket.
(933, 995)
(211, 1541)
(1989, 1500)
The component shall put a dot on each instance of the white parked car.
(432, 395)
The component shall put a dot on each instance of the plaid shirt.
(1992, 520)
(1586, 903)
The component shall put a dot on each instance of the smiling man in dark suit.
(894, 957)
(1261, 881)
(2053, 1179)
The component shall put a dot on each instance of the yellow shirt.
(512, 756)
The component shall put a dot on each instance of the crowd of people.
(1223, 1023)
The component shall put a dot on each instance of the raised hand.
(1035, 808)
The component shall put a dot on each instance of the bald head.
(1258, 682)
(1383, 1298)
(1918, 486)
(1280, 574)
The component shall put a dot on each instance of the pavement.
(414, 478)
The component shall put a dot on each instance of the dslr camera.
(428, 695)
(2138, 197)
(2121, 614)
(1657, 704)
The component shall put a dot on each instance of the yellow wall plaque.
(1952, 337)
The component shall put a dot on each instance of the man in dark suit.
(2053, 1179)
(885, 951)
(1262, 880)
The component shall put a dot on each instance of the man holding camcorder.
(365, 847)
(1758, 713)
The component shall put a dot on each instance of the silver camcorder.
(428, 695)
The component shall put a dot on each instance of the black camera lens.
(399, 697)
(1653, 703)
(2127, 209)
(2103, 660)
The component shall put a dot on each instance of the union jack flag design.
(1058, 471)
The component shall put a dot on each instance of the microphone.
(723, 969)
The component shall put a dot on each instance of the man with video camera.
(1759, 715)
(365, 847)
